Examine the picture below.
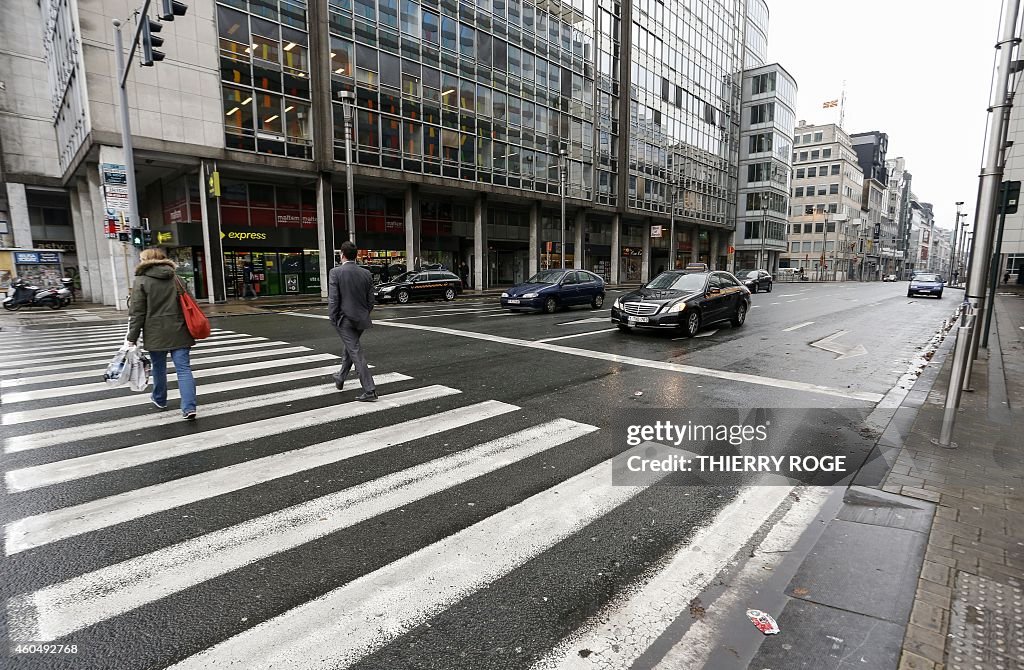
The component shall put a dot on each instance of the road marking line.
(73, 342)
(706, 333)
(590, 332)
(592, 319)
(108, 351)
(145, 422)
(639, 362)
(621, 633)
(119, 402)
(368, 613)
(844, 350)
(61, 609)
(111, 345)
(112, 460)
(41, 529)
(791, 301)
(789, 295)
(797, 326)
(491, 316)
(102, 387)
(776, 303)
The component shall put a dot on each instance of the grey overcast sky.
(919, 70)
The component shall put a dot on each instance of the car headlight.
(617, 304)
(504, 295)
(678, 307)
(387, 289)
(530, 295)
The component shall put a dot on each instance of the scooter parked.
(32, 296)
(67, 290)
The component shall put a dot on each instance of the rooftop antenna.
(842, 106)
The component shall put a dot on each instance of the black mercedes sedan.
(755, 280)
(423, 285)
(684, 302)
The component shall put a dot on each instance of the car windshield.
(926, 277)
(693, 281)
(406, 277)
(547, 277)
(750, 274)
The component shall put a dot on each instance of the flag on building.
(830, 103)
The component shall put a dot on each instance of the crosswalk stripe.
(148, 421)
(35, 343)
(364, 615)
(64, 608)
(94, 360)
(94, 372)
(64, 332)
(44, 358)
(67, 470)
(41, 529)
(119, 402)
(99, 345)
(626, 629)
(98, 387)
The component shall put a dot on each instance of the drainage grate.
(987, 625)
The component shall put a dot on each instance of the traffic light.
(214, 184)
(171, 8)
(149, 41)
(147, 238)
(137, 237)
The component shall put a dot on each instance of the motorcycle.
(67, 290)
(32, 296)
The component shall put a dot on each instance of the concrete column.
(579, 242)
(88, 254)
(17, 208)
(616, 247)
(77, 227)
(645, 261)
(325, 228)
(213, 249)
(109, 294)
(695, 251)
(534, 238)
(715, 252)
(413, 226)
(480, 242)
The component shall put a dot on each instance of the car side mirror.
(714, 291)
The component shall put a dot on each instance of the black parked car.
(549, 290)
(423, 285)
(755, 280)
(683, 301)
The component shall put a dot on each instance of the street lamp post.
(764, 225)
(952, 252)
(824, 243)
(673, 188)
(348, 101)
(562, 178)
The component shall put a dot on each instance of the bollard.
(956, 380)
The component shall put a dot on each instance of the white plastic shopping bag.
(130, 366)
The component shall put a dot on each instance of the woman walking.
(156, 314)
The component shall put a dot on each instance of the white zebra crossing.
(45, 358)
(40, 529)
(62, 609)
(102, 344)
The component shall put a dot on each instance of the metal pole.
(824, 243)
(672, 225)
(952, 252)
(764, 224)
(956, 379)
(347, 102)
(994, 266)
(561, 194)
(991, 173)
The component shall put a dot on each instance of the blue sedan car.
(926, 283)
(550, 290)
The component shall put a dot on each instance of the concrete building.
(879, 242)
(897, 198)
(921, 254)
(825, 211)
(461, 114)
(1011, 250)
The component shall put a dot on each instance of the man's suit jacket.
(350, 295)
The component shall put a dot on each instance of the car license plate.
(513, 301)
(637, 319)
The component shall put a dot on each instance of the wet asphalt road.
(67, 524)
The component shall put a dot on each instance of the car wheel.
(597, 302)
(940, 295)
(449, 294)
(403, 297)
(754, 289)
(11, 306)
(53, 303)
(550, 305)
(770, 286)
(909, 294)
(691, 324)
(740, 316)
(624, 328)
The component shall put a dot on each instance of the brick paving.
(967, 610)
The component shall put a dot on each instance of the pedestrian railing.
(956, 378)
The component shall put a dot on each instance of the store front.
(36, 267)
(285, 261)
(630, 264)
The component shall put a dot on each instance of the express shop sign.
(270, 237)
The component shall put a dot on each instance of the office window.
(812, 172)
(817, 137)
(815, 155)
(762, 113)
(834, 170)
(800, 173)
(803, 155)
(826, 153)
(833, 189)
(807, 138)
(798, 192)
(821, 189)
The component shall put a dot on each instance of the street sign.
(164, 237)
(655, 231)
(1009, 193)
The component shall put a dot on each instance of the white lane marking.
(368, 613)
(40, 363)
(776, 303)
(35, 531)
(754, 306)
(706, 333)
(146, 422)
(844, 350)
(118, 402)
(625, 629)
(200, 357)
(491, 316)
(434, 316)
(589, 332)
(59, 472)
(693, 650)
(791, 301)
(789, 295)
(98, 338)
(101, 387)
(592, 319)
(107, 344)
(797, 326)
(63, 608)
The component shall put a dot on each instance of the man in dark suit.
(349, 302)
